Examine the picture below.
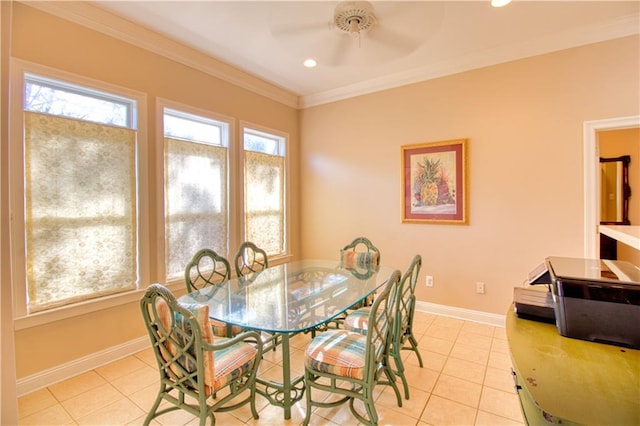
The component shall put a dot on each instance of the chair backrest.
(380, 324)
(361, 252)
(406, 300)
(250, 258)
(206, 268)
(360, 257)
(176, 338)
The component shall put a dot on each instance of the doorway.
(592, 180)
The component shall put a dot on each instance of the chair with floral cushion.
(360, 255)
(208, 268)
(195, 369)
(351, 364)
(250, 258)
(403, 323)
(362, 259)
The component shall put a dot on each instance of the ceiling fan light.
(500, 3)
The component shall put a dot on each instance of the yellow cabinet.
(567, 381)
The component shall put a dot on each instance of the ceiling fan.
(355, 32)
(354, 17)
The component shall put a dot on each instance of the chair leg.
(414, 348)
(252, 402)
(372, 413)
(392, 381)
(307, 381)
(203, 419)
(154, 408)
(400, 372)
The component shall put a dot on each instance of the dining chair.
(250, 258)
(359, 253)
(358, 321)
(362, 259)
(351, 364)
(208, 268)
(197, 374)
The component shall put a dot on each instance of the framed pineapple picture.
(434, 182)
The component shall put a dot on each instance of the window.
(196, 190)
(80, 192)
(264, 190)
(97, 214)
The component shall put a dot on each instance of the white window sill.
(86, 307)
(82, 308)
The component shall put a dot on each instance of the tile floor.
(466, 380)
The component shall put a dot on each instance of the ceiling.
(411, 41)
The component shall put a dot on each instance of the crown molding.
(98, 19)
(618, 28)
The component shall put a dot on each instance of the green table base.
(286, 393)
(572, 381)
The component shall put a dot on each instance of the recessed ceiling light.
(500, 3)
(310, 63)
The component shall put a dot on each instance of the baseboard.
(78, 366)
(461, 313)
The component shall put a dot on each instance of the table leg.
(288, 392)
(286, 376)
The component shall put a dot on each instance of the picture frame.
(434, 182)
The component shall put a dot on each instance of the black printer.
(594, 299)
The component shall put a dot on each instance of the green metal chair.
(362, 259)
(403, 323)
(352, 364)
(250, 258)
(359, 256)
(208, 268)
(193, 369)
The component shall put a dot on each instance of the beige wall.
(524, 121)
(615, 143)
(76, 49)
(524, 124)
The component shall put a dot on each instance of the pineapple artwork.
(433, 183)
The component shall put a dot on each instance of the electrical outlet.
(429, 281)
(480, 287)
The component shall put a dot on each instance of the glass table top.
(291, 297)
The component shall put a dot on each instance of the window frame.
(24, 319)
(161, 105)
(150, 192)
(256, 128)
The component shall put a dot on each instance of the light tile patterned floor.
(466, 380)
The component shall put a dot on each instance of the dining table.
(284, 300)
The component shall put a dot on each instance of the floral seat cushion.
(358, 320)
(220, 366)
(233, 362)
(221, 329)
(338, 352)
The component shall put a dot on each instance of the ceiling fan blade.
(393, 39)
(300, 29)
(340, 50)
